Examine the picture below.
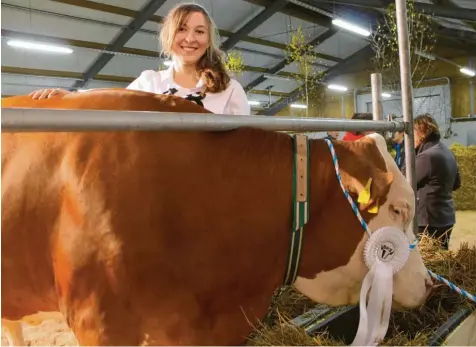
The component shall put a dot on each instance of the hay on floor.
(465, 197)
(407, 328)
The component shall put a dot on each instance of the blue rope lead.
(346, 193)
(452, 286)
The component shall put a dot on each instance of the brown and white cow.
(180, 238)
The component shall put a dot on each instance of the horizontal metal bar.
(29, 119)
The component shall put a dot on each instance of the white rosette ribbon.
(386, 252)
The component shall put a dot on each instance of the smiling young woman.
(189, 37)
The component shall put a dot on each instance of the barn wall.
(460, 91)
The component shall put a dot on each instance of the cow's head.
(332, 266)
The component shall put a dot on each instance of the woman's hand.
(48, 93)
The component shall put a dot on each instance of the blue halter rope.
(366, 227)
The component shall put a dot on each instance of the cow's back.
(108, 99)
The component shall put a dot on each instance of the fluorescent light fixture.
(337, 87)
(253, 103)
(468, 71)
(168, 63)
(351, 27)
(386, 95)
(276, 77)
(298, 106)
(39, 46)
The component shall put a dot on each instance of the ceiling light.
(253, 103)
(351, 27)
(468, 71)
(337, 87)
(386, 95)
(39, 46)
(298, 106)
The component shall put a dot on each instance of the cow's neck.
(327, 242)
(316, 196)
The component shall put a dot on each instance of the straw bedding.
(465, 197)
(407, 328)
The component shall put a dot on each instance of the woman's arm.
(48, 93)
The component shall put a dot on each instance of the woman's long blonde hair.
(211, 66)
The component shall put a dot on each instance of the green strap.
(300, 218)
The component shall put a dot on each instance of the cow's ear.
(381, 183)
(370, 192)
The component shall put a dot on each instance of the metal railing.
(30, 119)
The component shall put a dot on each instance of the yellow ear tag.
(374, 209)
(364, 195)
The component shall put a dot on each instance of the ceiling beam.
(457, 34)
(103, 47)
(451, 3)
(115, 25)
(430, 9)
(461, 13)
(158, 19)
(339, 69)
(147, 11)
(15, 70)
(254, 23)
(297, 11)
(92, 5)
(282, 64)
(442, 9)
(461, 45)
(13, 34)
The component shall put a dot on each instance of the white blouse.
(232, 101)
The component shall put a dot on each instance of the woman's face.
(192, 40)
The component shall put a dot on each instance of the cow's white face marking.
(342, 285)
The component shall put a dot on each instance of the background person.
(399, 146)
(355, 135)
(437, 177)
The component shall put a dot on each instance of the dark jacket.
(399, 154)
(437, 177)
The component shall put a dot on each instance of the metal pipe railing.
(407, 98)
(377, 108)
(29, 119)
